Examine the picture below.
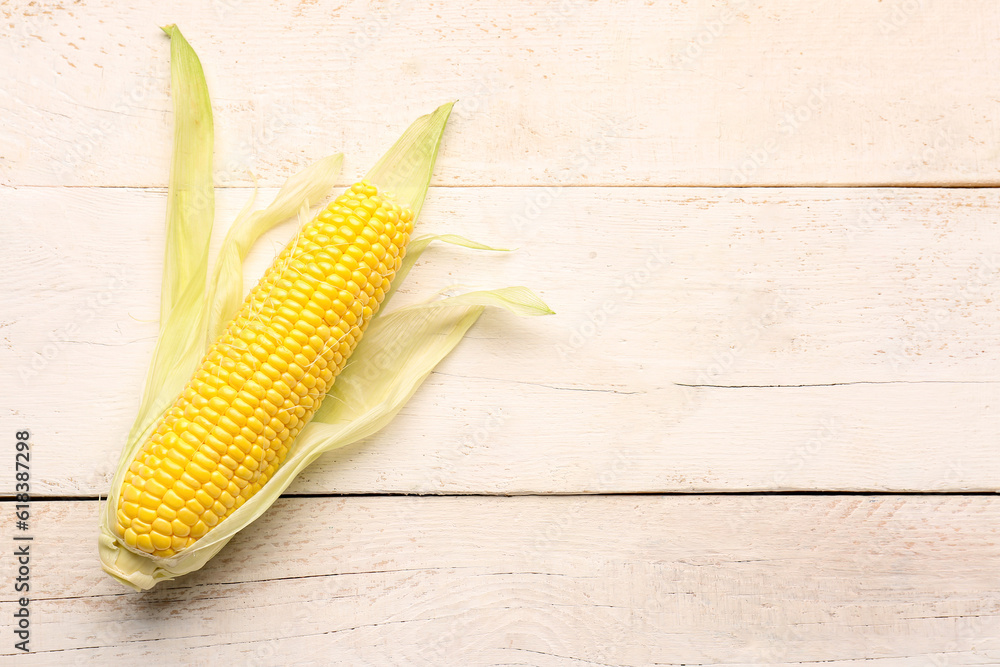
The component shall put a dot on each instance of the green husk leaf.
(416, 249)
(519, 300)
(312, 184)
(405, 170)
(190, 215)
(190, 197)
(398, 346)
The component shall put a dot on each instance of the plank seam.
(946, 185)
(57, 499)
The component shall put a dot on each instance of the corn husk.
(399, 349)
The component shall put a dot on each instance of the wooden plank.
(779, 580)
(754, 339)
(629, 92)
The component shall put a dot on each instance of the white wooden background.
(761, 430)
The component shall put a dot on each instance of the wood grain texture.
(630, 581)
(628, 92)
(708, 337)
(705, 340)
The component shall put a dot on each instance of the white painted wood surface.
(837, 338)
(569, 92)
(708, 337)
(553, 582)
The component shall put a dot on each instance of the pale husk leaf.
(416, 249)
(404, 172)
(396, 355)
(190, 214)
(398, 352)
(190, 197)
(312, 184)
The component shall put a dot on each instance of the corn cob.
(263, 379)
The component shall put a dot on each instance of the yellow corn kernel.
(145, 543)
